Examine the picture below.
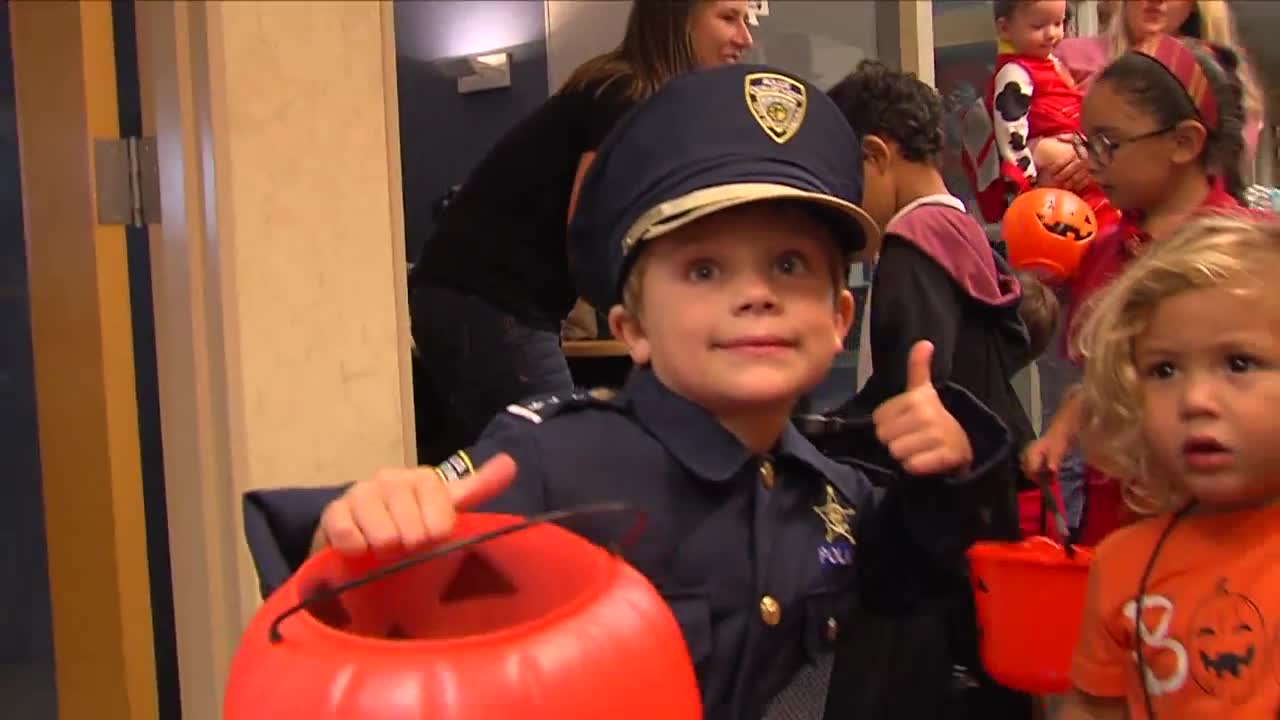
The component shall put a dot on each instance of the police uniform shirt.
(756, 555)
(761, 559)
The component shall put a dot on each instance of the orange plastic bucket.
(535, 624)
(1046, 231)
(1030, 598)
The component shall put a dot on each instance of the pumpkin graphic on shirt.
(1228, 643)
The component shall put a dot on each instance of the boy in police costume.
(717, 223)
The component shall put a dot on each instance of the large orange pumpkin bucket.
(1030, 599)
(539, 623)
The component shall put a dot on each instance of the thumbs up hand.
(918, 431)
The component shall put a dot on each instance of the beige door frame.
(193, 75)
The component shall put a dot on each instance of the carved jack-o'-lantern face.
(1228, 645)
(1066, 216)
(1046, 231)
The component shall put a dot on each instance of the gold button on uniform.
(770, 610)
(833, 629)
(766, 475)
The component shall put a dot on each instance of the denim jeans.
(474, 360)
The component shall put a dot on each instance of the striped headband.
(1178, 59)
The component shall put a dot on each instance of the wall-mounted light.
(446, 29)
(489, 71)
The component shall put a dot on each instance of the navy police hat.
(705, 142)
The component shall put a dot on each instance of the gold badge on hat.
(777, 102)
(836, 516)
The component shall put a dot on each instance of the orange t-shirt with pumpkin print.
(1210, 613)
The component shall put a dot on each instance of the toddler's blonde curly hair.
(1220, 252)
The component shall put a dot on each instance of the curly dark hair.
(892, 105)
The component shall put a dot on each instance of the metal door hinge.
(127, 175)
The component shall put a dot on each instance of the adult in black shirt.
(492, 284)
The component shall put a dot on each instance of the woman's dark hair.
(1150, 86)
(655, 48)
(892, 105)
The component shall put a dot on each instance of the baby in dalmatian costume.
(1031, 96)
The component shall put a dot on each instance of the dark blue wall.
(443, 134)
(26, 640)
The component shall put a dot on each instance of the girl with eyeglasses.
(1130, 23)
(1161, 134)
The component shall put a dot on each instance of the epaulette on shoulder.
(544, 407)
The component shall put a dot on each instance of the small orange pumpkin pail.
(1030, 598)
(534, 624)
(1046, 231)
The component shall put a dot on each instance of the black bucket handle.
(326, 592)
